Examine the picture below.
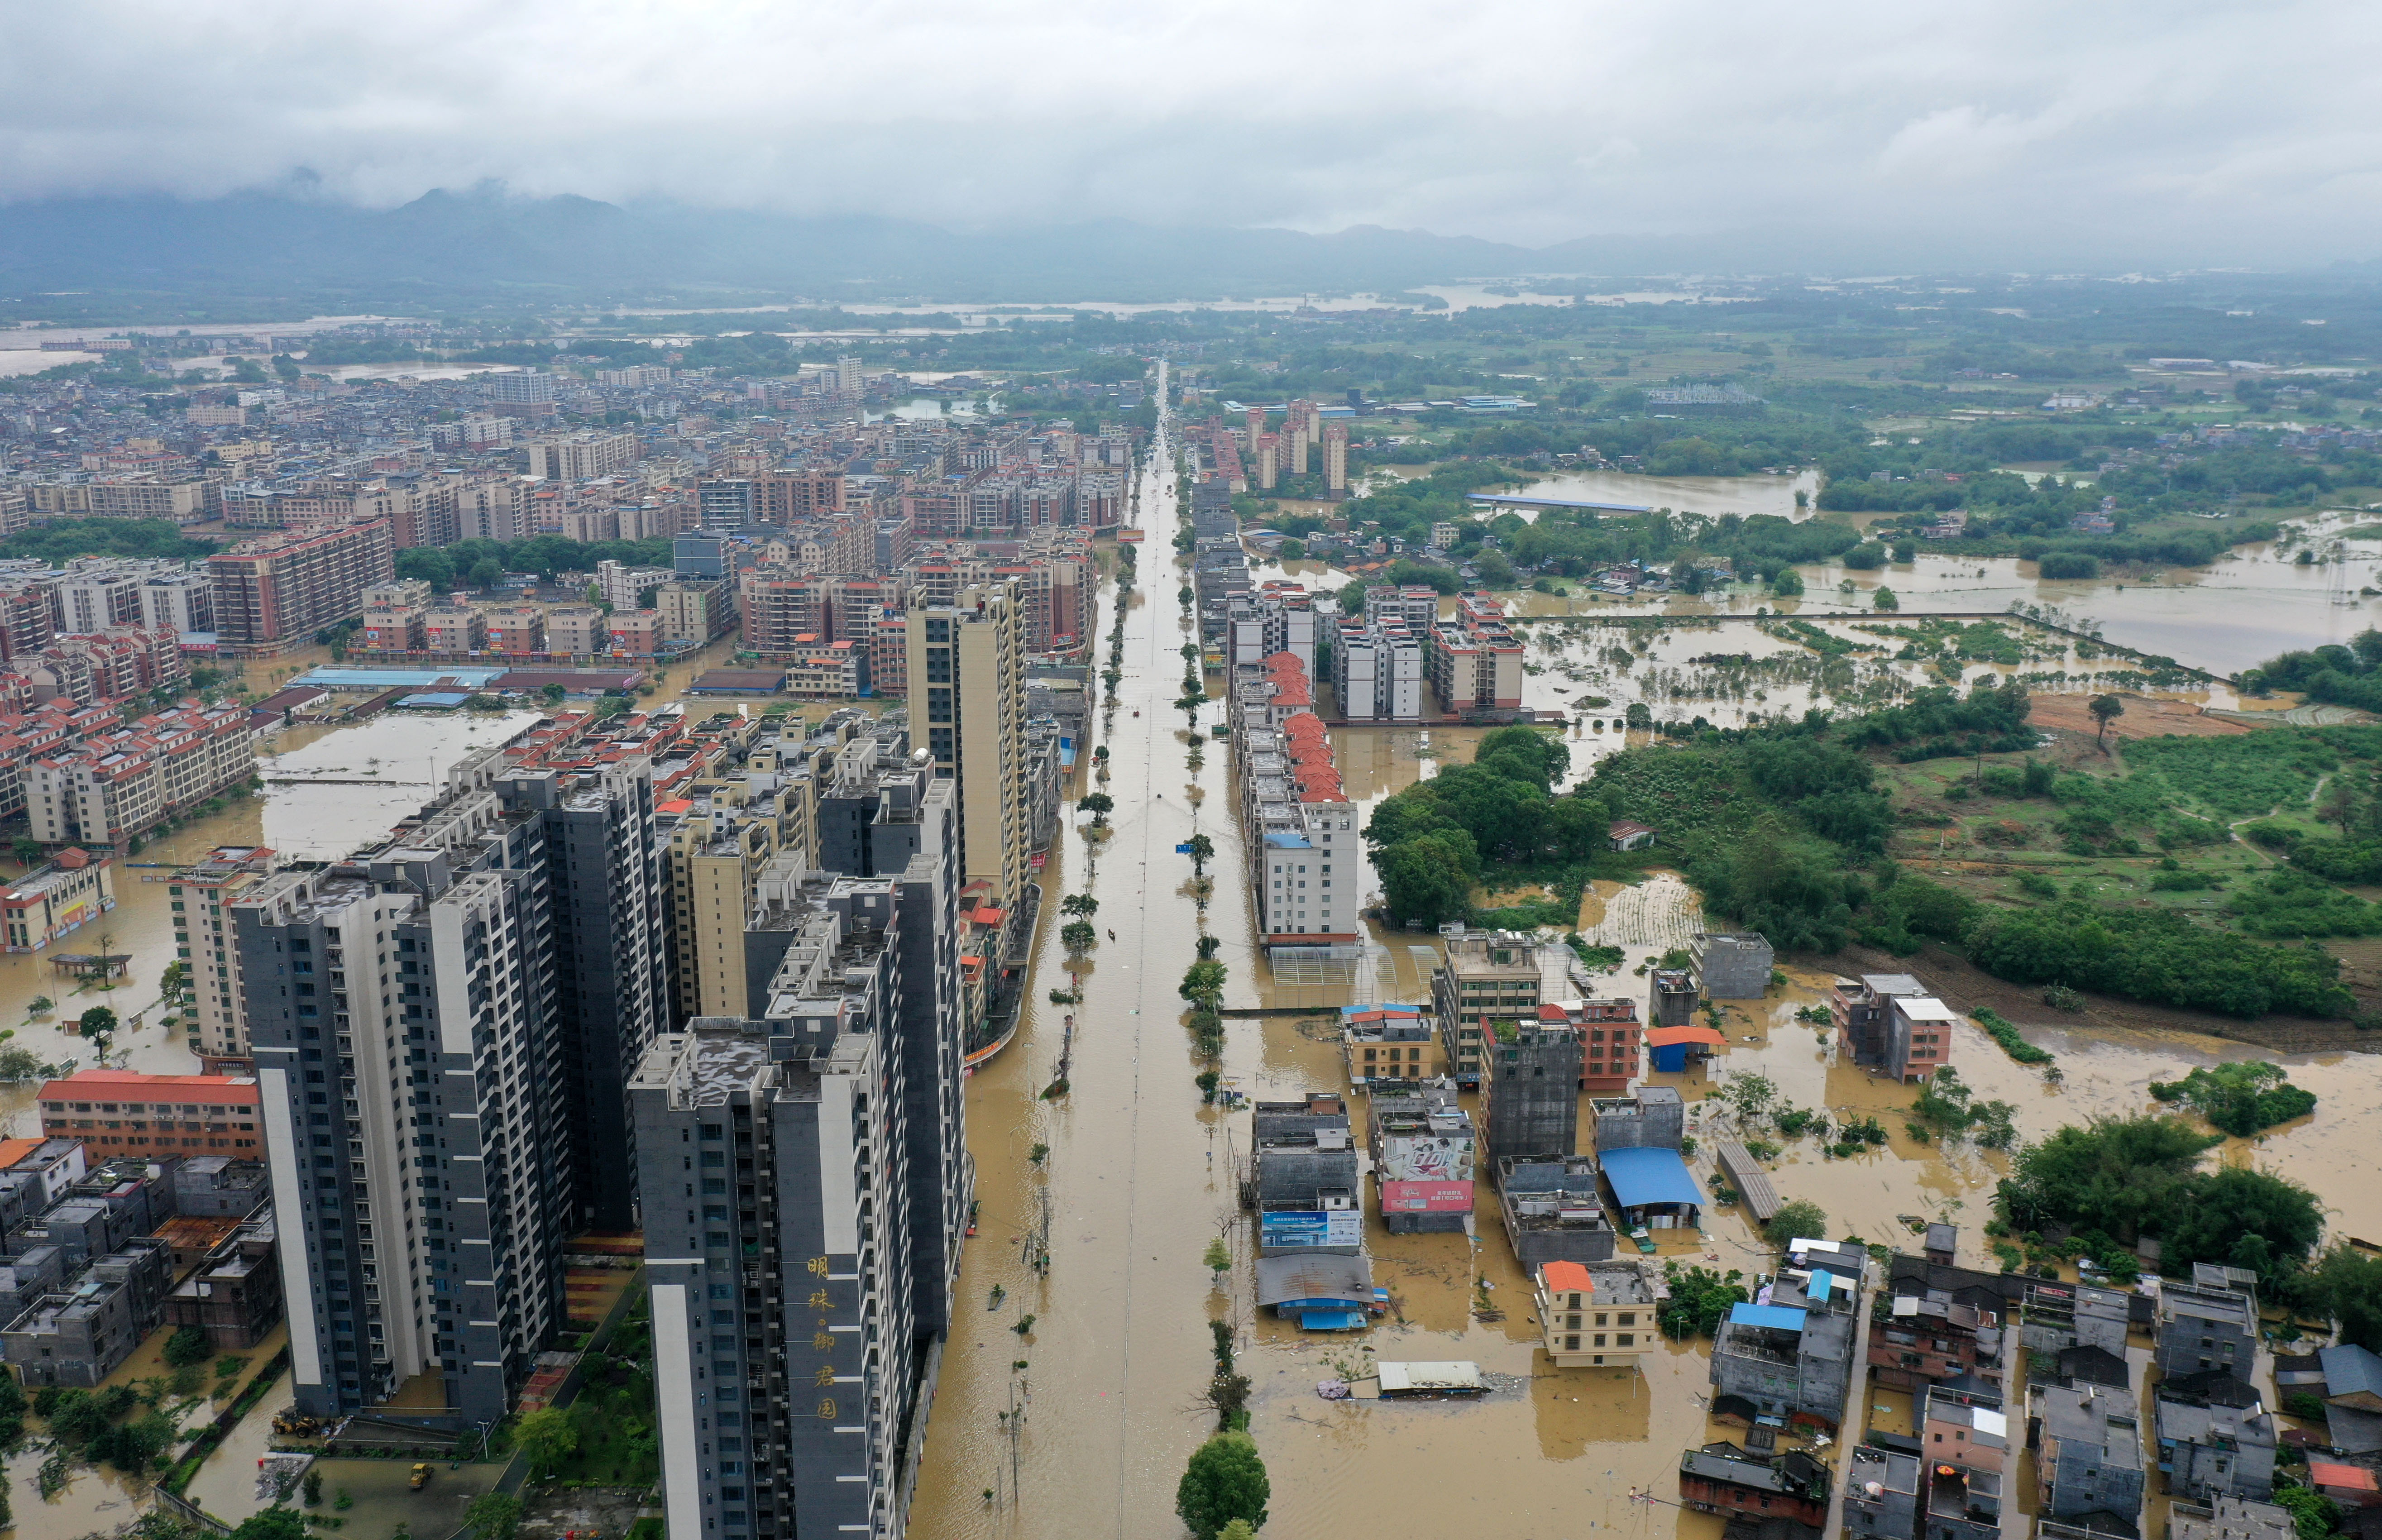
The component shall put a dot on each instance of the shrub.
(1224, 1481)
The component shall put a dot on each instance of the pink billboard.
(1425, 1197)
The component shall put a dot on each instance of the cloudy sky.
(2177, 131)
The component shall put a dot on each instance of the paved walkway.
(1856, 1418)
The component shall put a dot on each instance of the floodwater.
(1135, 1178)
(1711, 495)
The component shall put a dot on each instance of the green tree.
(1100, 804)
(1203, 983)
(492, 1516)
(1080, 904)
(1079, 936)
(1884, 600)
(280, 1523)
(486, 572)
(2105, 709)
(546, 1435)
(2118, 1175)
(2243, 1218)
(1218, 1259)
(1421, 881)
(189, 1345)
(2314, 1515)
(28, 850)
(1203, 850)
(2346, 1283)
(1225, 1481)
(99, 1024)
(1802, 1217)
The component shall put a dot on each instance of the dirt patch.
(1964, 986)
(2145, 718)
(591, 1513)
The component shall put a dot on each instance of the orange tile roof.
(1564, 1276)
(14, 1149)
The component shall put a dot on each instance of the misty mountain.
(484, 246)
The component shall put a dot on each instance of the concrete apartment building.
(1423, 1146)
(1919, 1037)
(1553, 1208)
(1487, 975)
(76, 1336)
(2215, 1438)
(276, 591)
(1731, 965)
(1530, 1089)
(120, 1112)
(967, 691)
(1788, 1358)
(1598, 1315)
(234, 1295)
(113, 787)
(54, 901)
(581, 456)
(791, 1374)
(2088, 1450)
(1475, 661)
(484, 979)
(1881, 1493)
(2201, 1328)
(1860, 1009)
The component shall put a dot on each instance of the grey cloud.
(2130, 129)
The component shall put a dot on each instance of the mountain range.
(484, 246)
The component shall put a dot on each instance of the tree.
(1239, 1528)
(41, 1005)
(1184, 596)
(27, 849)
(2243, 1218)
(1081, 904)
(98, 1024)
(1219, 1258)
(2314, 1515)
(553, 693)
(1203, 983)
(1886, 599)
(1421, 881)
(188, 1346)
(1225, 1481)
(547, 1436)
(492, 1516)
(279, 1523)
(1802, 1217)
(2105, 709)
(2346, 1283)
(1100, 804)
(486, 572)
(1079, 936)
(1203, 850)
(2118, 1175)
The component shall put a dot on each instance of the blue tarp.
(1778, 1318)
(1650, 1177)
(1823, 1281)
(1392, 1009)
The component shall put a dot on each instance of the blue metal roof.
(1331, 1320)
(388, 678)
(1777, 1318)
(2349, 1369)
(1393, 1008)
(1279, 841)
(1642, 1177)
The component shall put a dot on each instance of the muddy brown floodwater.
(1136, 1180)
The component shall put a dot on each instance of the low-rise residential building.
(1731, 965)
(2215, 1438)
(2055, 1317)
(78, 1336)
(124, 1112)
(1790, 1358)
(1304, 1176)
(1489, 976)
(1919, 1037)
(2230, 1518)
(1882, 1489)
(1529, 1088)
(2205, 1328)
(1721, 1478)
(113, 787)
(1553, 1210)
(2088, 1450)
(49, 902)
(1610, 1038)
(235, 1294)
(1390, 1045)
(1860, 1008)
(1423, 1145)
(1598, 1315)
(1925, 1336)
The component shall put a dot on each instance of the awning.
(1664, 1037)
(1650, 1177)
(1331, 1320)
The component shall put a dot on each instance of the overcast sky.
(2171, 131)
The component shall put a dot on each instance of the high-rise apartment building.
(442, 1029)
(784, 1358)
(279, 590)
(581, 456)
(966, 671)
(200, 896)
(521, 387)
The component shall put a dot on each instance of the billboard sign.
(1320, 1229)
(1425, 1197)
